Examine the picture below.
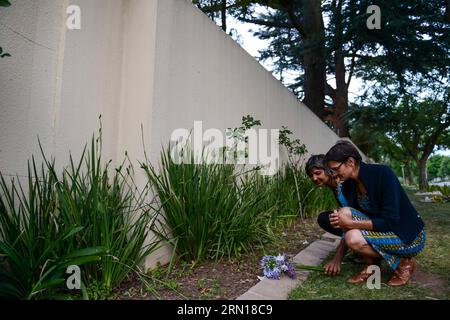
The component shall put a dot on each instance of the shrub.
(35, 241)
(90, 215)
(112, 212)
(209, 210)
(290, 203)
(445, 190)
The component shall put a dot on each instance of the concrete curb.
(313, 255)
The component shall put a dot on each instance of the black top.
(390, 208)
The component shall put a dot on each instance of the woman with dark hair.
(317, 170)
(319, 173)
(380, 221)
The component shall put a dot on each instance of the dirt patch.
(434, 283)
(224, 279)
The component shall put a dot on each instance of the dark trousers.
(324, 222)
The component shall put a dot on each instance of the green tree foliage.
(444, 169)
(433, 165)
(409, 126)
(405, 169)
(336, 44)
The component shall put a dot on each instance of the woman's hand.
(333, 268)
(340, 220)
(334, 219)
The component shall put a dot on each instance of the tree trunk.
(223, 11)
(340, 94)
(421, 164)
(340, 97)
(313, 57)
(410, 174)
(340, 104)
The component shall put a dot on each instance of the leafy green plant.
(290, 203)
(445, 190)
(35, 240)
(209, 288)
(91, 215)
(211, 210)
(295, 149)
(208, 213)
(4, 3)
(280, 198)
(98, 291)
(238, 134)
(112, 211)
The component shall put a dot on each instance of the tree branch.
(218, 6)
(289, 8)
(329, 91)
(352, 69)
(274, 24)
(411, 153)
(429, 146)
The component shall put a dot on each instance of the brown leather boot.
(403, 273)
(363, 275)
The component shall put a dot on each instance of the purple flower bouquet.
(274, 266)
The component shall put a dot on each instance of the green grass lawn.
(434, 261)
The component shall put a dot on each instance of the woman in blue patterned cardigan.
(379, 221)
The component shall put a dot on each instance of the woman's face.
(319, 176)
(342, 170)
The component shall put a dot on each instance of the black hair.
(316, 161)
(341, 151)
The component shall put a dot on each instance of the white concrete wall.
(157, 63)
(58, 82)
(216, 81)
(30, 32)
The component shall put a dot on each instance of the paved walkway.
(313, 255)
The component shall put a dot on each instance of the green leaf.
(47, 285)
(94, 251)
(72, 232)
(312, 268)
(84, 292)
(4, 3)
(8, 290)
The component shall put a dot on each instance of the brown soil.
(430, 281)
(225, 279)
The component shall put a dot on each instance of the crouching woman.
(379, 222)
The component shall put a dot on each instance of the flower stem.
(312, 268)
